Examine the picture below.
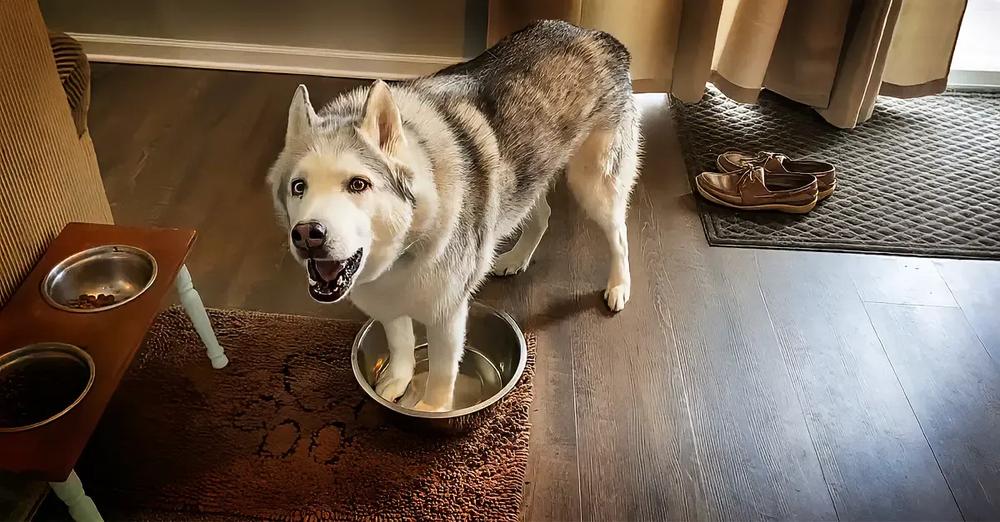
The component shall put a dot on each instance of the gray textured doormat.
(921, 178)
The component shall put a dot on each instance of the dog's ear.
(380, 120)
(301, 115)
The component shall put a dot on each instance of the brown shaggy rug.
(284, 432)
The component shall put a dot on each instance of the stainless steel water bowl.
(495, 355)
(40, 383)
(121, 271)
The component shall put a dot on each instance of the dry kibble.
(90, 301)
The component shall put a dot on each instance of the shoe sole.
(823, 194)
(780, 207)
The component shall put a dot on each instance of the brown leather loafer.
(755, 189)
(773, 163)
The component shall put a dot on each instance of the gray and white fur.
(398, 194)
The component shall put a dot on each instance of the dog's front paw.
(423, 406)
(616, 296)
(510, 263)
(392, 383)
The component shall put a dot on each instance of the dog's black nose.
(308, 234)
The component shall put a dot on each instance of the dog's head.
(341, 188)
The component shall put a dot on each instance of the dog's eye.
(298, 187)
(358, 185)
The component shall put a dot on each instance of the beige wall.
(448, 28)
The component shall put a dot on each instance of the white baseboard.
(259, 58)
(977, 80)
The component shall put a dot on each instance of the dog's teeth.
(340, 280)
(312, 282)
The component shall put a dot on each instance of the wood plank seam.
(798, 392)
(965, 316)
(647, 200)
(909, 304)
(576, 435)
(910, 404)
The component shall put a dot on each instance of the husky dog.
(398, 195)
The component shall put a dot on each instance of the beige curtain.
(834, 55)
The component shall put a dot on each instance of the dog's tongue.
(328, 270)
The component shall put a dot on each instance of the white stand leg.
(195, 309)
(81, 507)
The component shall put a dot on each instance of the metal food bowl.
(495, 355)
(40, 383)
(120, 271)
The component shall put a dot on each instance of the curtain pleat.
(833, 55)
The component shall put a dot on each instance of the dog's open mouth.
(329, 279)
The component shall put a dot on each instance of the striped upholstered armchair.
(48, 170)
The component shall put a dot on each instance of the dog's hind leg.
(396, 376)
(601, 175)
(516, 259)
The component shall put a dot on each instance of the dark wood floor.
(738, 384)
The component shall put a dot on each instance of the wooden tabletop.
(111, 338)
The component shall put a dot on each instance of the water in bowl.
(478, 380)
